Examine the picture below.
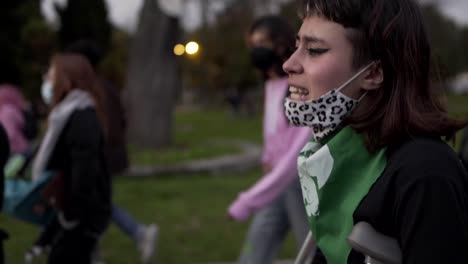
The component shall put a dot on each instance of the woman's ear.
(373, 77)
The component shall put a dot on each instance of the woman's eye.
(315, 52)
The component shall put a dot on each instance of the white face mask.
(324, 114)
(47, 91)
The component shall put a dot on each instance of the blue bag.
(22, 199)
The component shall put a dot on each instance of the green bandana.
(335, 177)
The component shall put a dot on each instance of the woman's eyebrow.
(307, 39)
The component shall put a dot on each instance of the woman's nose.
(292, 65)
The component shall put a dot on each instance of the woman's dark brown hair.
(73, 71)
(280, 33)
(392, 33)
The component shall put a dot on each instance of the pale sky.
(458, 9)
(124, 13)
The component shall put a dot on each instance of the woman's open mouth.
(298, 93)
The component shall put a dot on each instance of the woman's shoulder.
(83, 123)
(421, 147)
(424, 158)
(88, 114)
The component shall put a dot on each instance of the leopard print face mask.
(324, 114)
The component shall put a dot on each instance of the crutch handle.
(374, 245)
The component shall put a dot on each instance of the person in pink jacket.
(12, 107)
(275, 199)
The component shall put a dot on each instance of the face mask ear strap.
(362, 96)
(355, 76)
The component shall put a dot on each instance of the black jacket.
(79, 155)
(421, 200)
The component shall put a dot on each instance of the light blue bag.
(22, 196)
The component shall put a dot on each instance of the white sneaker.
(147, 243)
(33, 254)
(96, 256)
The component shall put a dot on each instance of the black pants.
(75, 246)
(49, 233)
(2, 256)
(3, 237)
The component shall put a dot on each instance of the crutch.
(377, 248)
(307, 252)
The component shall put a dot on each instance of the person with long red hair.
(73, 148)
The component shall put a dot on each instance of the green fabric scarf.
(335, 177)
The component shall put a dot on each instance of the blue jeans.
(126, 223)
(271, 225)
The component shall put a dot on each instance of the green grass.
(179, 154)
(200, 135)
(458, 108)
(191, 213)
(216, 124)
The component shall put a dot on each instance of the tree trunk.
(153, 78)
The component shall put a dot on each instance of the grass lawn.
(201, 135)
(458, 105)
(458, 108)
(189, 210)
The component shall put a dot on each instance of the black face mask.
(263, 58)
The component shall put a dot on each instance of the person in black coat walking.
(115, 151)
(73, 148)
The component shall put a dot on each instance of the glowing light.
(179, 49)
(192, 48)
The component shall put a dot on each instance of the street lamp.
(179, 49)
(192, 48)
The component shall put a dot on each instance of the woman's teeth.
(298, 93)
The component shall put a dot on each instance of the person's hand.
(237, 215)
(65, 223)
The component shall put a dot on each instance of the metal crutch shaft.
(306, 250)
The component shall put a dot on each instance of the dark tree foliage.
(84, 19)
